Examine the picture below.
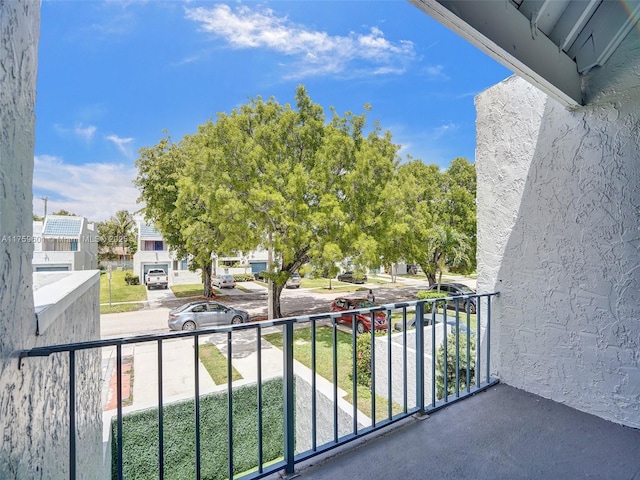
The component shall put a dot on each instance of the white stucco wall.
(559, 237)
(33, 411)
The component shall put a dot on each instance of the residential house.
(252, 262)
(153, 252)
(64, 243)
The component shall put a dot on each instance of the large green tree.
(170, 205)
(433, 217)
(286, 179)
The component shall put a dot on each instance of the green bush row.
(140, 440)
(427, 295)
(243, 277)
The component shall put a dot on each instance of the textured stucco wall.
(324, 413)
(19, 24)
(559, 237)
(33, 418)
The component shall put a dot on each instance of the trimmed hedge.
(429, 294)
(243, 277)
(140, 438)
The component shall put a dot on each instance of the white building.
(153, 252)
(64, 243)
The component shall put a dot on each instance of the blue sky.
(113, 75)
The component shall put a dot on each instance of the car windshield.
(465, 289)
(226, 277)
(364, 304)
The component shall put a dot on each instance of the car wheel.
(236, 320)
(189, 325)
(472, 308)
(360, 328)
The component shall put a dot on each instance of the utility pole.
(45, 205)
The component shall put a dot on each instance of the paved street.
(178, 380)
(300, 301)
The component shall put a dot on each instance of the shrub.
(243, 277)
(429, 294)
(131, 279)
(464, 363)
(363, 360)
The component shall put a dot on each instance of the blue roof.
(62, 226)
(148, 231)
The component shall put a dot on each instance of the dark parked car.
(203, 314)
(352, 277)
(454, 290)
(261, 275)
(363, 320)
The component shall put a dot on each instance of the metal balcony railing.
(403, 369)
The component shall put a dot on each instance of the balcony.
(321, 404)
(403, 424)
(501, 433)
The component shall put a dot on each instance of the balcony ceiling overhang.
(554, 44)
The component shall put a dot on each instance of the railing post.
(72, 414)
(420, 356)
(289, 446)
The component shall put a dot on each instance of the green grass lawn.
(187, 290)
(196, 290)
(121, 307)
(120, 291)
(324, 365)
(216, 364)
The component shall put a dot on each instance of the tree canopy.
(309, 189)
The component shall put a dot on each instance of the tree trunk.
(275, 292)
(430, 273)
(206, 281)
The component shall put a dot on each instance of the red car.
(363, 319)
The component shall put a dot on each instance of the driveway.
(157, 296)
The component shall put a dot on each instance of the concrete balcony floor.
(502, 433)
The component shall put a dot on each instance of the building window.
(153, 245)
(59, 244)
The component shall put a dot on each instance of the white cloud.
(435, 72)
(315, 52)
(444, 129)
(84, 133)
(94, 190)
(122, 144)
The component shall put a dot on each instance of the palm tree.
(450, 248)
(122, 223)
